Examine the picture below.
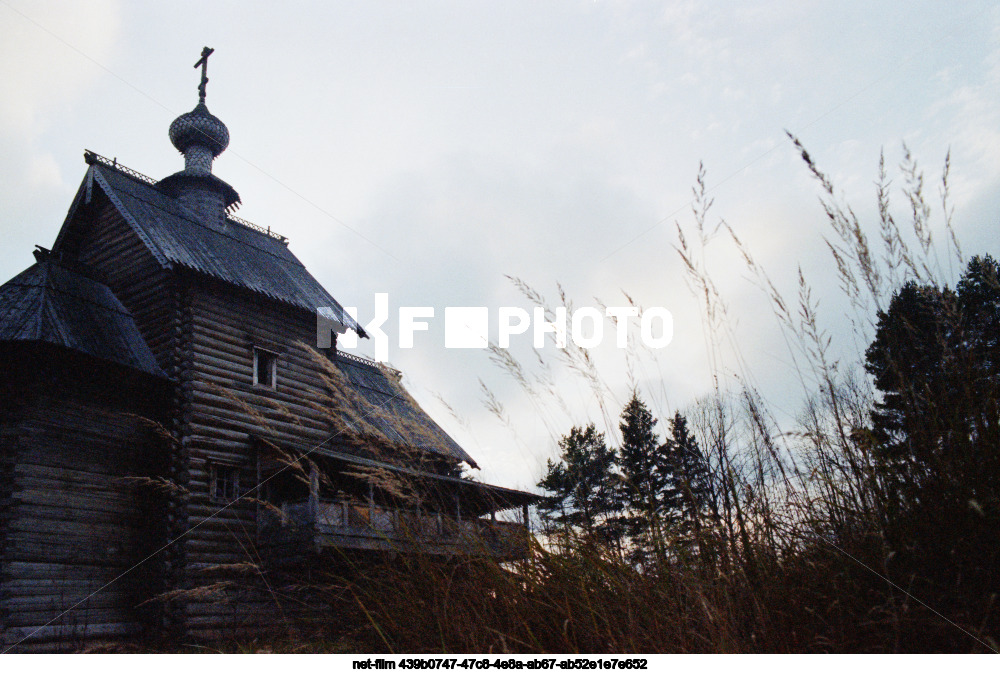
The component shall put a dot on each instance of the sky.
(434, 151)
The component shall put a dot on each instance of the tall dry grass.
(807, 546)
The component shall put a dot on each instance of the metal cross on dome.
(203, 62)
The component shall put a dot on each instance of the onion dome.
(200, 136)
(199, 127)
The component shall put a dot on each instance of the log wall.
(63, 467)
(102, 239)
(203, 333)
(77, 513)
(222, 411)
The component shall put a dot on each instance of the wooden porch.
(326, 524)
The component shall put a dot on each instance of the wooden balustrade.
(350, 524)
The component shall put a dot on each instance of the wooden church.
(168, 424)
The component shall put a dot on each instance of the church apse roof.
(48, 303)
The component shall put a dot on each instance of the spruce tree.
(643, 477)
(935, 359)
(582, 487)
(688, 490)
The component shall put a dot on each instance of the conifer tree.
(583, 487)
(644, 471)
(935, 360)
(688, 490)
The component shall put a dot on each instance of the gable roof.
(51, 304)
(261, 262)
(234, 253)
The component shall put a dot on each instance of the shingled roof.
(48, 303)
(400, 418)
(234, 253)
(261, 262)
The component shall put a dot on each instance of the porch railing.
(352, 524)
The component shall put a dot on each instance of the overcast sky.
(430, 150)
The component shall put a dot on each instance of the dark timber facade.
(158, 365)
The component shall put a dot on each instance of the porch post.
(260, 493)
(313, 491)
(371, 504)
(524, 516)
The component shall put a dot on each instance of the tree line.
(922, 464)
(634, 496)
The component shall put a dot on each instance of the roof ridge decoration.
(92, 158)
(368, 362)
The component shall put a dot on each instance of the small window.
(225, 483)
(265, 368)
